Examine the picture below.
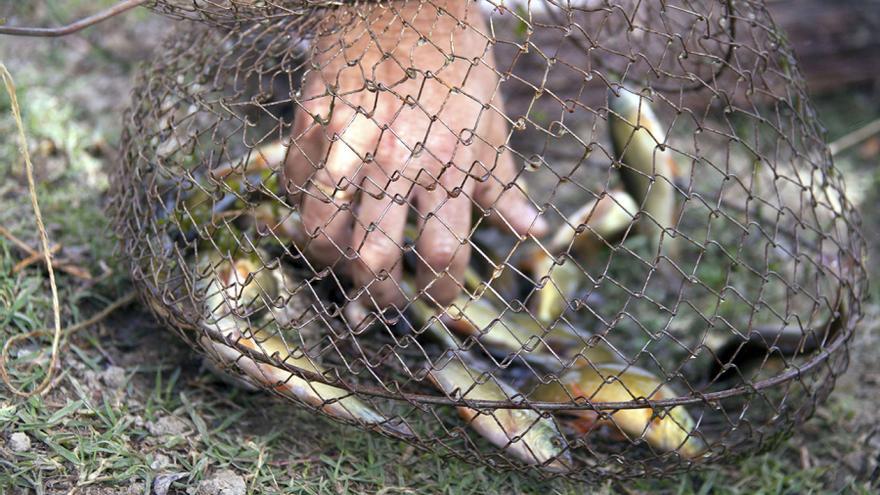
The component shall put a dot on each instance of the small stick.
(73, 27)
(73, 270)
(33, 258)
(76, 271)
(68, 268)
(854, 138)
(805, 458)
(15, 240)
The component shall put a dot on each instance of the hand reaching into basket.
(403, 120)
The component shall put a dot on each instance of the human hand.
(401, 115)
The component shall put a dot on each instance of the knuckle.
(378, 251)
(386, 294)
(446, 254)
(316, 219)
(313, 222)
(441, 145)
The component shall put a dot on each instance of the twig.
(15, 240)
(32, 258)
(66, 333)
(854, 138)
(74, 270)
(68, 268)
(257, 469)
(104, 313)
(73, 27)
(806, 464)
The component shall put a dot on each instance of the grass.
(105, 427)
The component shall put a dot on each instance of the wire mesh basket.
(596, 239)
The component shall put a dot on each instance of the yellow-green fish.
(197, 205)
(562, 285)
(648, 169)
(521, 433)
(231, 285)
(507, 331)
(242, 285)
(500, 281)
(268, 156)
(274, 218)
(600, 220)
(672, 430)
(334, 401)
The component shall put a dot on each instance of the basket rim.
(519, 401)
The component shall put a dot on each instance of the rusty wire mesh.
(290, 202)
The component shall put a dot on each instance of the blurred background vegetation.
(134, 411)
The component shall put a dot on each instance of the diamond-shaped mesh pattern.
(598, 239)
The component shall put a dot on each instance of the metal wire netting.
(592, 239)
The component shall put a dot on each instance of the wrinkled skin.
(414, 147)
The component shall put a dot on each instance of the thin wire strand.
(73, 27)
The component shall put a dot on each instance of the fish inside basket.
(678, 287)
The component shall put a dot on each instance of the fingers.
(326, 205)
(377, 240)
(306, 149)
(443, 245)
(498, 191)
(330, 160)
(308, 143)
(328, 225)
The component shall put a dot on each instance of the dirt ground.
(134, 410)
